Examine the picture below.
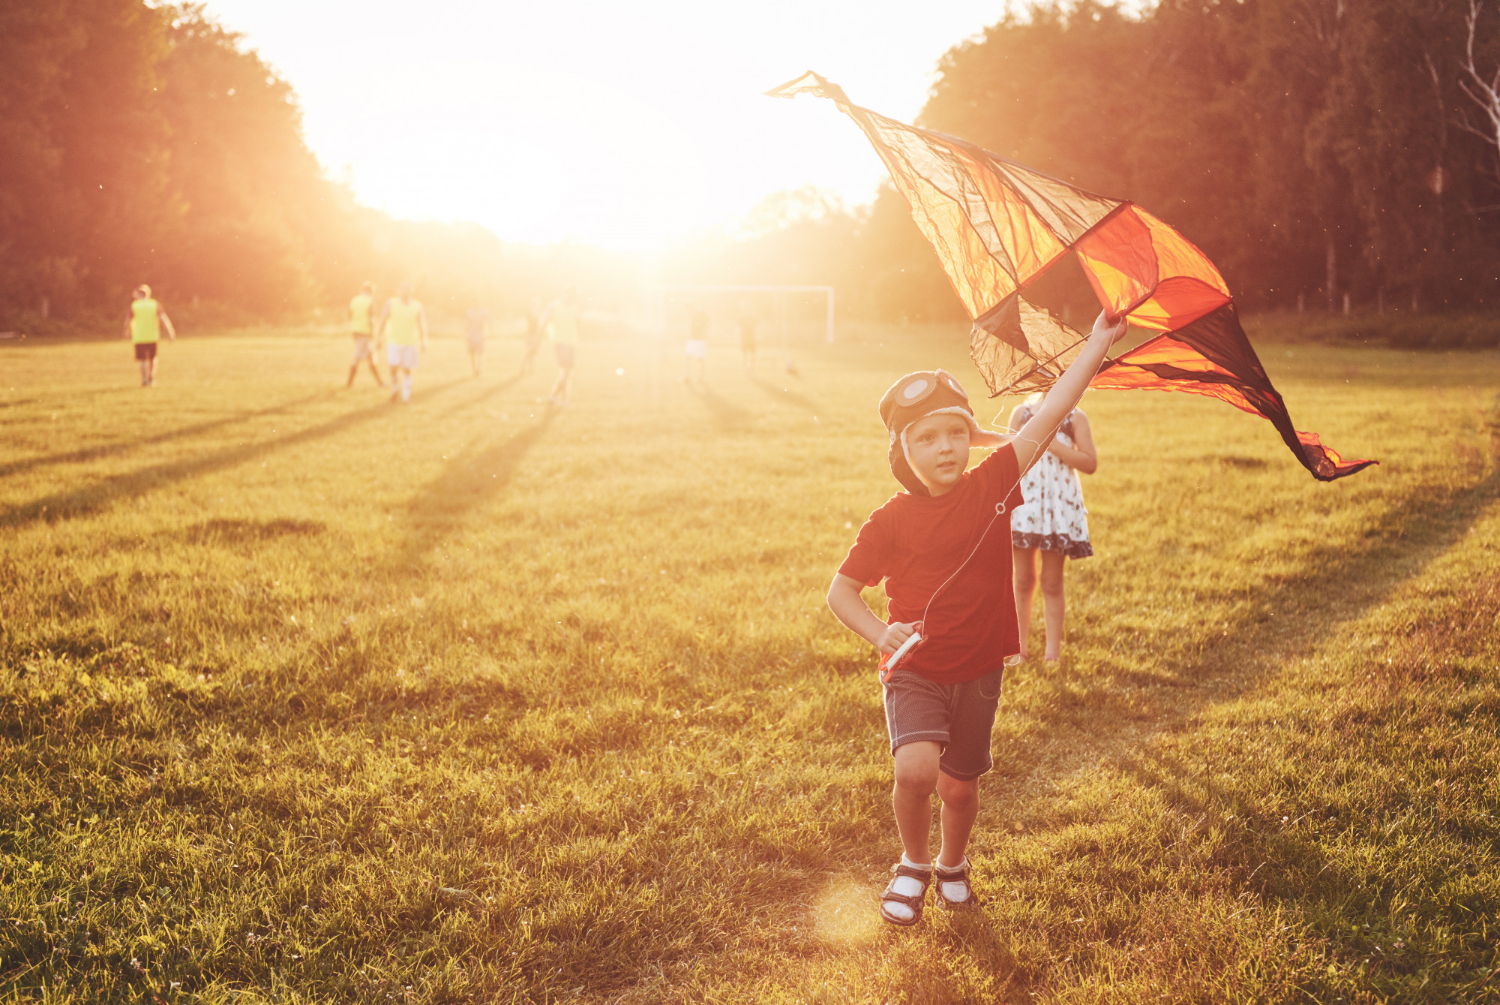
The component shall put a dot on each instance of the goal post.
(779, 308)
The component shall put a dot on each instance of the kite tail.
(1213, 357)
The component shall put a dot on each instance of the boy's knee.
(917, 769)
(956, 793)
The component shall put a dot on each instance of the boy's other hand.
(895, 635)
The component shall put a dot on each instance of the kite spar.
(1034, 259)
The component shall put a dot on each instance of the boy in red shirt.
(943, 549)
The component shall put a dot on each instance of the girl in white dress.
(1052, 522)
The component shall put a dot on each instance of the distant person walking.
(476, 327)
(143, 326)
(403, 328)
(560, 322)
(533, 337)
(748, 324)
(695, 351)
(1052, 523)
(362, 327)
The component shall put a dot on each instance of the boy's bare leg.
(960, 809)
(374, 371)
(917, 777)
(1052, 601)
(1024, 564)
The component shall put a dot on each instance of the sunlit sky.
(618, 124)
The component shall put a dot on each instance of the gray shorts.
(957, 716)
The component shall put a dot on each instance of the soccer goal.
(778, 295)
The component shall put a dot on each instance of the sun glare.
(530, 151)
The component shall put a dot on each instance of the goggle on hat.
(913, 397)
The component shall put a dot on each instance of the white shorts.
(404, 356)
(362, 347)
(697, 348)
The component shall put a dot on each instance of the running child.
(403, 327)
(695, 350)
(943, 549)
(533, 337)
(143, 324)
(476, 326)
(560, 320)
(362, 327)
(1052, 524)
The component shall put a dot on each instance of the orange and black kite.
(1034, 259)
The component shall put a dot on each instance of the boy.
(533, 336)
(476, 327)
(696, 349)
(943, 548)
(560, 320)
(362, 327)
(403, 326)
(143, 325)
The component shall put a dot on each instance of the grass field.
(306, 697)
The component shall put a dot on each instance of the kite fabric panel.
(1034, 259)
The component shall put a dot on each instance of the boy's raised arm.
(1033, 437)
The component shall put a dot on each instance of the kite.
(1034, 259)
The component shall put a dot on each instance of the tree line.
(1315, 149)
(150, 144)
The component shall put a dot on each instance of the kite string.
(999, 512)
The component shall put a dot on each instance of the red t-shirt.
(915, 543)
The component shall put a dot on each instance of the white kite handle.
(906, 647)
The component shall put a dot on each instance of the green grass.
(1396, 329)
(307, 697)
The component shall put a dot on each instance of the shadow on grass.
(467, 482)
(726, 414)
(101, 495)
(1337, 586)
(785, 394)
(109, 449)
(484, 395)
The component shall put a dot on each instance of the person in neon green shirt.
(362, 326)
(403, 327)
(143, 325)
(560, 321)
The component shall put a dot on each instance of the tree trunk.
(1331, 283)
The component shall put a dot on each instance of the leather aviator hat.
(913, 397)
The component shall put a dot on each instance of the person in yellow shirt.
(362, 326)
(560, 321)
(143, 325)
(403, 328)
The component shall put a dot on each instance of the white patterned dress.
(1053, 517)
